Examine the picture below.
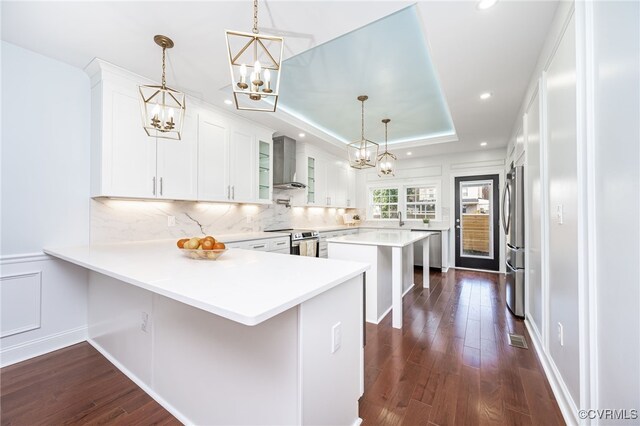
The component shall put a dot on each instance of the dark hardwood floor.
(449, 365)
(75, 385)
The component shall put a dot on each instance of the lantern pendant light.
(362, 153)
(162, 107)
(255, 65)
(386, 160)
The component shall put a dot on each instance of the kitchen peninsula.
(390, 254)
(232, 341)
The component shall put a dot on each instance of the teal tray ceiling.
(388, 60)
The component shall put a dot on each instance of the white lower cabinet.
(324, 236)
(274, 245)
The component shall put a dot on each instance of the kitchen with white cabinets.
(208, 223)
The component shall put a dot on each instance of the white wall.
(441, 170)
(45, 201)
(616, 201)
(562, 166)
(45, 152)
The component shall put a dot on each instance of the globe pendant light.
(362, 153)
(162, 107)
(386, 160)
(255, 64)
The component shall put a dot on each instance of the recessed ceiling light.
(228, 101)
(486, 4)
(486, 95)
(409, 153)
(483, 144)
(302, 135)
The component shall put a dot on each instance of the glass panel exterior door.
(476, 231)
(475, 213)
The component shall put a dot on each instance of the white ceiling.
(473, 51)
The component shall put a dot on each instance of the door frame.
(480, 174)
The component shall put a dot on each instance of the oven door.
(295, 246)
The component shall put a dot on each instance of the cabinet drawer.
(262, 245)
(279, 244)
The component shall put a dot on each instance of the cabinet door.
(265, 161)
(243, 166)
(342, 188)
(351, 188)
(213, 158)
(178, 163)
(320, 182)
(130, 155)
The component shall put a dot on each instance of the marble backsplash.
(114, 220)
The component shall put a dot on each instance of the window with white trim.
(420, 202)
(384, 203)
(416, 200)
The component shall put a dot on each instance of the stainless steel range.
(305, 237)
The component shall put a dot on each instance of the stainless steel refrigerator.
(513, 225)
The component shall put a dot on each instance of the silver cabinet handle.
(281, 243)
(160, 186)
(154, 185)
(228, 192)
(233, 192)
(260, 246)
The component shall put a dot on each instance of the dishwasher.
(435, 250)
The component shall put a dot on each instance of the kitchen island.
(390, 254)
(251, 338)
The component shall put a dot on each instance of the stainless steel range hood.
(284, 163)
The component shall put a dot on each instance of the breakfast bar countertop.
(244, 286)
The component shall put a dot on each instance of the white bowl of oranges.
(202, 248)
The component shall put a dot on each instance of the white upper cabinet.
(220, 157)
(177, 163)
(213, 157)
(234, 160)
(244, 169)
(125, 161)
(123, 151)
(330, 182)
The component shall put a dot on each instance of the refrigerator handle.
(506, 219)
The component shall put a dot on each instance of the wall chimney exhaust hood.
(284, 163)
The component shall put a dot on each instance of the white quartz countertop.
(245, 286)
(390, 238)
(408, 226)
(248, 236)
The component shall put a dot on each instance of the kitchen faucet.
(400, 222)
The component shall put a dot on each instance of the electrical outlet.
(336, 337)
(171, 221)
(144, 325)
(560, 334)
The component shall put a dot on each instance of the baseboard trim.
(567, 406)
(409, 289)
(170, 408)
(384, 314)
(36, 347)
(475, 270)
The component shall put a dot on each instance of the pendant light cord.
(362, 120)
(255, 16)
(164, 81)
(385, 137)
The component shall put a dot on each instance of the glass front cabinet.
(264, 171)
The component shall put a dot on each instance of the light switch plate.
(171, 221)
(336, 337)
(560, 214)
